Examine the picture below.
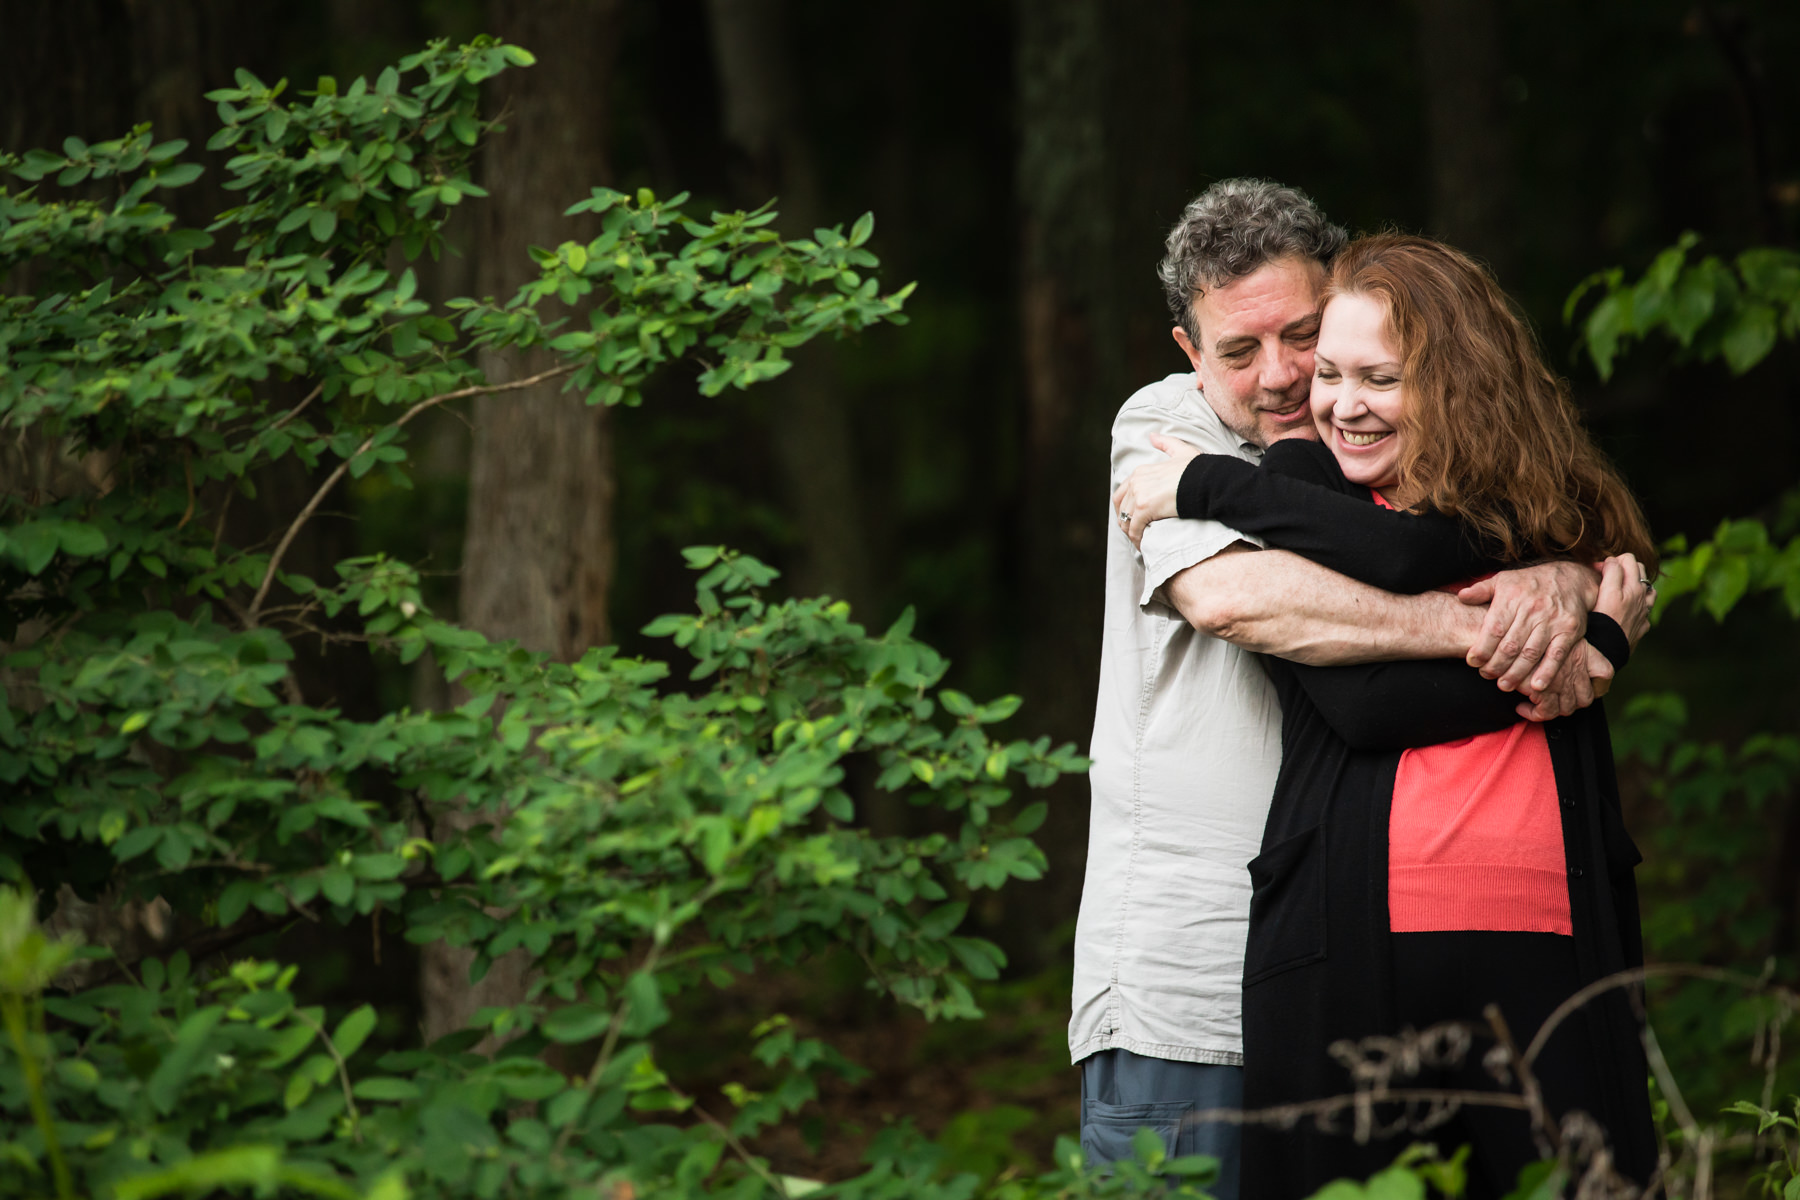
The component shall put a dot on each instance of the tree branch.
(331, 480)
(299, 408)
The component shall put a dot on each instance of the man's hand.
(1148, 494)
(1584, 677)
(1536, 617)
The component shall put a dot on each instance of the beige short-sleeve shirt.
(1186, 747)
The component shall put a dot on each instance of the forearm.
(1278, 603)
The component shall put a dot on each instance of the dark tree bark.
(1462, 63)
(812, 426)
(538, 553)
(1100, 177)
(67, 70)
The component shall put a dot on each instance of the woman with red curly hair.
(1431, 859)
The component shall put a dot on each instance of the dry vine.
(1575, 1140)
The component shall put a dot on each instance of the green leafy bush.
(634, 837)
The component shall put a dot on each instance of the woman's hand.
(1585, 676)
(1626, 595)
(1149, 493)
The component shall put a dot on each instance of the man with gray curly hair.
(1187, 735)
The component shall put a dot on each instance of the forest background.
(1023, 162)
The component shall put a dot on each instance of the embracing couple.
(1367, 578)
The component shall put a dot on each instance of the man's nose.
(1282, 370)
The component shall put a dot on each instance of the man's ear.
(1187, 345)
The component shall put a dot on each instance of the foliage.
(1710, 309)
(1715, 802)
(635, 838)
(1417, 1167)
(1780, 1175)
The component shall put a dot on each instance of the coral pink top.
(1475, 837)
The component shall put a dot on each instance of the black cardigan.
(1316, 967)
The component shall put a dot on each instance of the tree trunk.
(1100, 177)
(1462, 61)
(538, 553)
(814, 442)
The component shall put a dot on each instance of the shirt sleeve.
(1399, 705)
(1297, 500)
(1170, 546)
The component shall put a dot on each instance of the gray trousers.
(1122, 1092)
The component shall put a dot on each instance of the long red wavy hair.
(1489, 432)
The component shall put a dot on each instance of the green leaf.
(956, 703)
(566, 1107)
(527, 1078)
(322, 224)
(353, 1030)
(1033, 816)
(1539, 1181)
(338, 884)
(646, 1011)
(179, 175)
(299, 1088)
(83, 541)
(1148, 1148)
(384, 1088)
(34, 544)
(1725, 585)
(137, 842)
(257, 1167)
(1749, 338)
(576, 1022)
(1606, 325)
(166, 1082)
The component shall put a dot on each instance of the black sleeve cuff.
(1604, 635)
(1204, 474)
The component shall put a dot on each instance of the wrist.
(1449, 627)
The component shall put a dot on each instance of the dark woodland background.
(1023, 161)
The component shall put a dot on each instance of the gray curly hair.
(1231, 229)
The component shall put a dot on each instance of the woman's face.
(1358, 392)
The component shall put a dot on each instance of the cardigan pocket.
(1622, 854)
(1287, 906)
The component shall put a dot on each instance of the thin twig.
(331, 480)
(1284, 1115)
(187, 471)
(1637, 975)
(1665, 1082)
(731, 1139)
(219, 525)
(1543, 1129)
(343, 1071)
(299, 408)
(17, 1027)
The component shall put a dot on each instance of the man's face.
(1255, 357)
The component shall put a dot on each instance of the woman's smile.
(1357, 393)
